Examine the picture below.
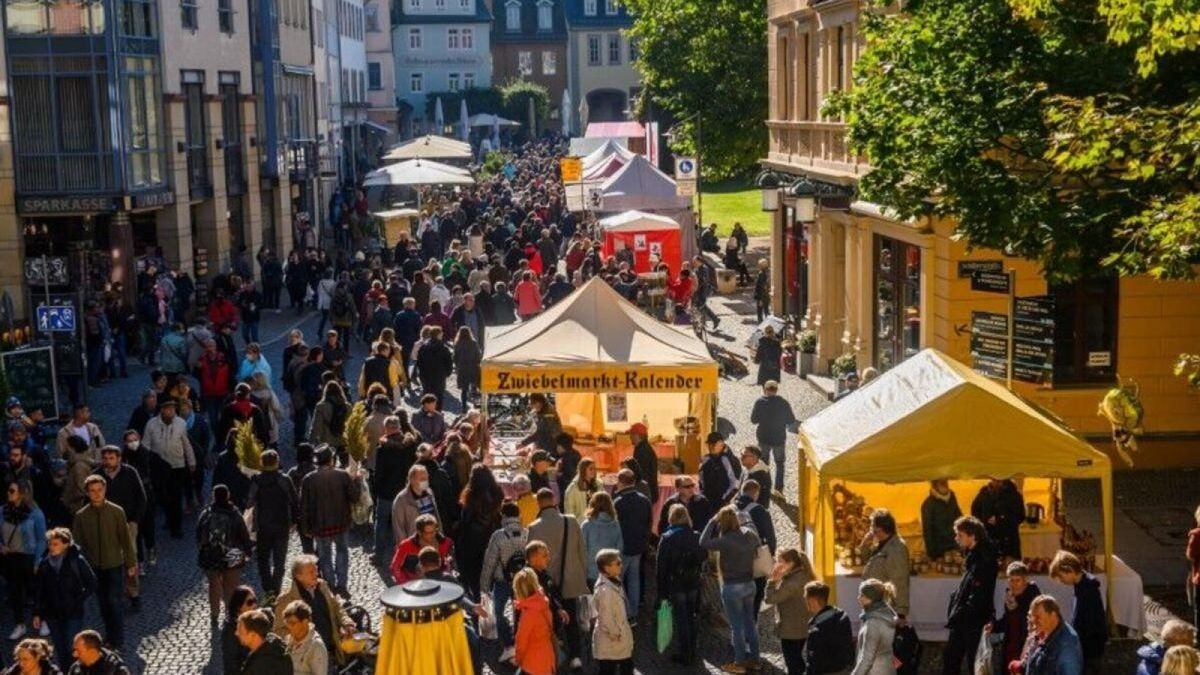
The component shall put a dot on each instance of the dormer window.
(513, 15)
(545, 15)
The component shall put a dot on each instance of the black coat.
(393, 459)
(232, 651)
(1089, 620)
(633, 514)
(126, 491)
(715, 483)
(276, 506)
(830, 644)
(1007, 506)
(269, 659)
(228, 525)
(434, 364)
(443, 494)
(109, 664)
(227, 473)
(63, 593)
(699, 509)
(647, 461)
(679, 559)
(972, 605)
(773, 415)
(763, 524)
(767, 356)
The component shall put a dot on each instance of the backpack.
(906, 647)
(340, 306)
(515, 562)
(215, 546)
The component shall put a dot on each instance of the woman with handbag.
(738, 547)
(223, 543)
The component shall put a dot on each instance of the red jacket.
(535, 635)
(404, 563)
(221, 311)
(214, 373)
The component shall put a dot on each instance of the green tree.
(515, 97)
(1064, 131)
(707, 58)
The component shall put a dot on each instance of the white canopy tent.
(609, 148)
(429, 147)
(637, 221)
(640, 185)
(582, 147)
(488, 120)
(418, 172)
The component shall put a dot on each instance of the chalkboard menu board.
(31, 378)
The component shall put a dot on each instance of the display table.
(929, 596)
(1040, 541)
(666, 488)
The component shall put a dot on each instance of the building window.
(374, 77)
(545, 15)
(452, 82)
(524, 64)
(468, 39)
(512, 15)
(189, 15)
(416, 83)
(610, 7)
(633, 49)
(414, 4)
(414, 39)
(465, 4)
(452, 41)
(144, 126)
(372, 17)
(1085, 331)
(549, 63)
(589, 7)
(468, 80)
(594, 50)
(231, 132)
(614, 49)
(440, 4)
(138, 18)
(195, 133)
(897, 301)
(225, 16)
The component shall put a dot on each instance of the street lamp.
(805, 194)
(768, 182)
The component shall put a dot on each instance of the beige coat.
(791, 612)
(336, 618)
(889, 563)
(548, 528)
(612, 638)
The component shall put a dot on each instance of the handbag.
(763, 562)
(251, 523)
(360, 511)
(487, 624)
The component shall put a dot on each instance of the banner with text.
(616, 378)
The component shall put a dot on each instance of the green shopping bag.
(666, 623)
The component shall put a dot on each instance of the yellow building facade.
(881, 288)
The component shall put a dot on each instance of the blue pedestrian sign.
(56, 319)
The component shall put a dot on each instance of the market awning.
(615, 130)
(429, 147)
(418, 172)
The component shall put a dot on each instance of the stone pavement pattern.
(171, 633)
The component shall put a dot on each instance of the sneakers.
(735, 668)
(44, 631)
(575, 664)
(152, 556)
(508, 654)
(18, 632)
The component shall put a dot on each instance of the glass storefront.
(897, 285)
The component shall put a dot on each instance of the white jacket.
(309, 656)
(612, 638)
(325, 293)
(170, 442)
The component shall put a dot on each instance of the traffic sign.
(571, 168)
(56, 319)
(685, 168)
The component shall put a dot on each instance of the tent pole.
(487, 436)
(1106, 503)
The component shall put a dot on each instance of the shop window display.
(897, 283)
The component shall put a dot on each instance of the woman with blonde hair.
(1180, 660)
(535, 652)
(32, 657)
(579, 491)
(875, 656)
(600, 531)
(388, 336)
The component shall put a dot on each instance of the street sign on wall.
(990, 282)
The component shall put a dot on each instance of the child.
(830, 644)
(612, 638)
(1013, 624)
(535, 653)
(1089, 620)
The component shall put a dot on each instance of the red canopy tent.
(647, 235)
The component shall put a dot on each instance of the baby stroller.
(363, 647)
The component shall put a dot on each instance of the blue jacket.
(1060, 654)
(599, 533)
(633, 514)
(1151, 658)
(33, 532)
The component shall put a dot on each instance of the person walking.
(785, 591)
(829, 648)
(1013, 623)
(268, 655)
(329, 419)
(567, 572)
(633, 515)
(503, 558)
(600, 531)
(276, 512)
(331, 622)
(578, 495)
(481, 500)
(23, 533)
(326, 498)
(971, 606)
(878, 630)
(467, 360)
(61, 586)
(435, 362)
(32, 657)
(125, 489)
(92, 657)
(241, 600)
(223, 545)
(773, 415)
(1088, 617)
(612, 636)
(719, 472)
(103, 534)
(397, 453)
(678, 567)
(767, 355)
(414, 501)
(534, 652)
(762, 291)
(166, 436)
(754, 514)
(700, 511)
(737, 546)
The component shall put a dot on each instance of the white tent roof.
(582, 147)
(488, 119)
(594, 325)
(637, 221)
(932, 416)
(639, 185)
(609, 147)
(429, 147)
(606, 167)
(418, 172)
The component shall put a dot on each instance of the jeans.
(685, 606)
(631, 579)
(793, 656)
(336, 573)
(249, 331)
(960, 646)
(119, 351)
(738, 599)
(321, 323)
(271, 551)
(62, 634)
(501, 594)
(779, 452)
(95, 365)
(110, 589)
(220, 587)
(172, 492)
(383, 530)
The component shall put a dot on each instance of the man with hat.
(644, 455)
(719, 472)
(167, 437)
(773, 415)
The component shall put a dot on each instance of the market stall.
(931, 417)
(398, 225)
(609, 365)
(430, 147)
(647, 235)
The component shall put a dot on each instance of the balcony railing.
(814, 145)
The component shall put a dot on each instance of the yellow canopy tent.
(595, 343)
(933, 417)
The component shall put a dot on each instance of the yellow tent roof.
(933, 417)
(595, 332)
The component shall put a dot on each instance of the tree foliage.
(1064, 131)
(707, 58)
(515, 97)
(479, 100)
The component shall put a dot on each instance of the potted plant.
(842, 367)
(807, 342)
